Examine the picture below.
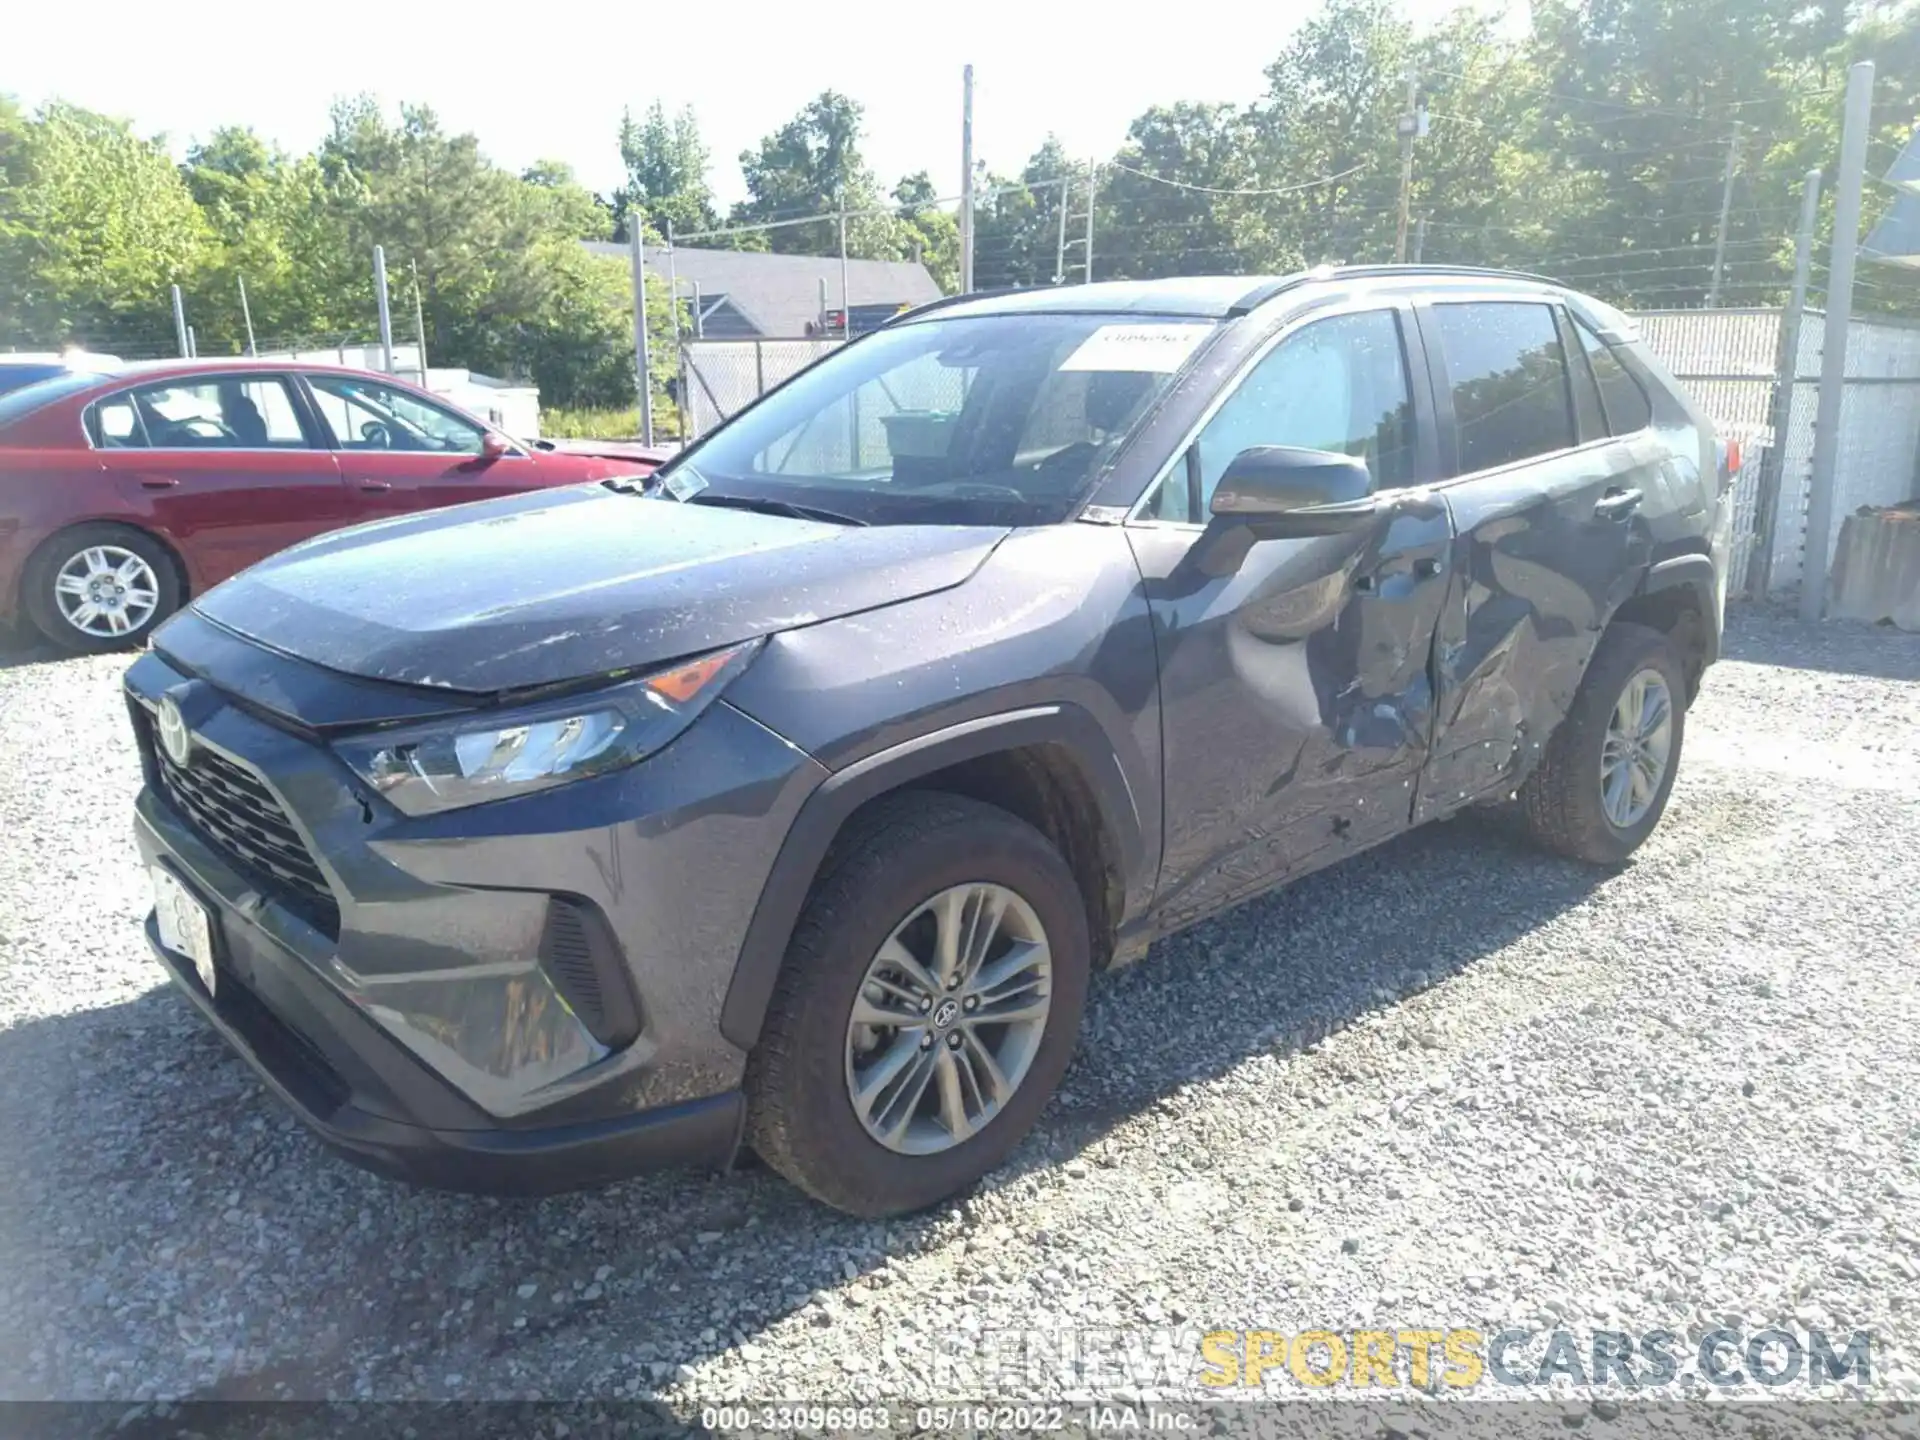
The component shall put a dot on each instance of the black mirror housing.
(1280, 491)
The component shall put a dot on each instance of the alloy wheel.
(948, 1019)
(1637, 749)
(106, 591)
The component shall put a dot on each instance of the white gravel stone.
(1525, 1089)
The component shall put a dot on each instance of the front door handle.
(1421, 567)
(1616, 505)
(376, 484)
(157, 482)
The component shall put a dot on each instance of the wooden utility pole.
(1409, 125)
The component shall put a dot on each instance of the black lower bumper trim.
(499, 1161)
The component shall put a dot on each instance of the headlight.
(444, 767)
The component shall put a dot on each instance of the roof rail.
(1485, 271)
(1260, 294)
(946, 300)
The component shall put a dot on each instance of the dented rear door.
(1551, 539)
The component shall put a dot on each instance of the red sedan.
(125, 491)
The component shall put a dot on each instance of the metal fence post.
(1093, 183)
(386, 312)
(419, 324)
(643, 369)
(246, 313)
(1833, 354)
(685, 406)
(1060, 245)
(180, 322)
(1786, 371)
(966, 181)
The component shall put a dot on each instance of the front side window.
(1337, 384)
(367, 415)
(1509, 380)
(241, 412)
(994, 419)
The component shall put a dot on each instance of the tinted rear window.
(29, 398)
(1509, 380)
(12, 377)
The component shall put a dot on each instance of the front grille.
(238, 816)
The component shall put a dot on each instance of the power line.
(1210, 190)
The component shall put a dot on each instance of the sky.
(539, 83)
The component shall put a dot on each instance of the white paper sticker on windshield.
(685, 483)
(1159, 349)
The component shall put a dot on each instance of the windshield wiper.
(768, 506)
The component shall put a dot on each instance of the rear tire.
(881, 881)
(1594, 796)
(86, 583)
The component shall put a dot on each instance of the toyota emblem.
(175, 738)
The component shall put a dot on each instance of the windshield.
(1001, 419)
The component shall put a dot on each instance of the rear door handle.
(1616, 505)
(157, 482)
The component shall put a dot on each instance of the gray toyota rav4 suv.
(790, 798)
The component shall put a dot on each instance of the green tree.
(1168, 203)
(1016, 228)
(666, 163)
(506, 286)
(95, 224)
(277, 232)
(812, 166)
(929, 234)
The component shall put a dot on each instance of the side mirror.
(1282, 492)
(493, 445)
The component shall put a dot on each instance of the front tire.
(100, 587)
(1603, 784)
(928, 1006)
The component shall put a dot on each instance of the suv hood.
(563, 584)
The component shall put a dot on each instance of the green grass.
(563, 424)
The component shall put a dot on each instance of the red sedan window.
(366, 415)
(251, 412)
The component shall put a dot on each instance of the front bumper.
(422, 1022)
(498, 1162)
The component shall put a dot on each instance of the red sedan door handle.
(157, 482)
(376, 484)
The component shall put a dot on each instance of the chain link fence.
(1730, 362)
(721, 377)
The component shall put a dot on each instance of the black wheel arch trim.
(829, 807)
(1692, 571)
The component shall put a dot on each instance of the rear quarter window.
(1628, 409)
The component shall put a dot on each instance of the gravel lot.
(1453, 1082)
